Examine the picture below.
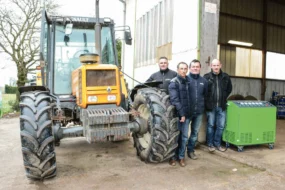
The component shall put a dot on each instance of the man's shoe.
(172, 162)
(192, 155)
(211, 148)
(219, 148)
(182, 163)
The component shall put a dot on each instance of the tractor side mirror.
(68, 29)
(128, 38)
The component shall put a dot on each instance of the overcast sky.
(108, 8)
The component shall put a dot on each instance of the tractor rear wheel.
(159, 141)
(36, 135)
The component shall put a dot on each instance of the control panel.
(252, 104)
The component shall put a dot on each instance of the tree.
(20, 33)
(119, 49)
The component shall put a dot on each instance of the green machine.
(250, 123)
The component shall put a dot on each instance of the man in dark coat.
(164, 74)
(219, 88)
(179, 97)
(197, 92)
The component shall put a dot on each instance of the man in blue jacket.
(197, 92)
(179, 97)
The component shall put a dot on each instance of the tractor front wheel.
(36, 135)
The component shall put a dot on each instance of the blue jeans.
(196, 121)
(216, 117)
(182, 138)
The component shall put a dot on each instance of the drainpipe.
(199, 29)
(134, 42)
(123, 44)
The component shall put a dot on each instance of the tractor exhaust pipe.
(97, 30)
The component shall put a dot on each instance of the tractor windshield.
(69, 48)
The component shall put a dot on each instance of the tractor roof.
(77, 20)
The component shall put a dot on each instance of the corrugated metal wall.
(277, 86)
(234, 28)
(242, 20)
(276, 32)
(246, 8)
(240, 30)
(228, 59)
(246, 87)
(252, 87)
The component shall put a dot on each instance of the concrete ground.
(115, 166)
(260, 156)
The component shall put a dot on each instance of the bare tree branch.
(20, 33)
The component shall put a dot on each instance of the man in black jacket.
(219, 88)
(197, 92)
(164, 74)
(179, 97)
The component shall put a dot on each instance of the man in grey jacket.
(164, 74)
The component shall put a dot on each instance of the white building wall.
(184, 36)
(185, 31)
(128, 65)
(135, 9)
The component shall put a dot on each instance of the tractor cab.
(64, 39)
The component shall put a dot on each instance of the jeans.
(196, 121)
(182, 138)
(216, 117)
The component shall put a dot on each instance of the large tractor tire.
(159, 141)
(36, 135)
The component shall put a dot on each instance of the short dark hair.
(163, 57)
(181, 64)
(195, 61)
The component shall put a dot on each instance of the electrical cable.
(136, 80)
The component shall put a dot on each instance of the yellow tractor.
(82, 84)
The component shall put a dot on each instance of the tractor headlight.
(92, 99)
(111, 97)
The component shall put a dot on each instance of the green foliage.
(7, 100)
(119, 49)
(14, 104)
(10, 89)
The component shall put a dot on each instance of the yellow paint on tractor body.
(97, 84)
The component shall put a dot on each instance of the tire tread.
(163, 127)
(36, 135)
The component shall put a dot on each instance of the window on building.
(154, 34)
(242, 62)
(275, 66)
(248, 63)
